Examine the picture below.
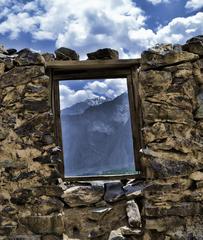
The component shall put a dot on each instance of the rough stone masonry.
(166, 205)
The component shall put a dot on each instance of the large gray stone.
(66, 54)
(83, 195)
(133, 213)
(164, 55)
(113, 191)
(105, 53)
(27, 57)
(194, 45)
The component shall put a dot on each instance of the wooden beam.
(93, 64)
(89, 74)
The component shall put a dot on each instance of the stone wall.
(167, 204)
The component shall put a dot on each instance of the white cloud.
(88, 25)
(82, 25)
(194, 4)
(155, 2)
(69, 97)
(108, 88)
(177, 31)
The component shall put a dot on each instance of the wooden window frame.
(98, 69)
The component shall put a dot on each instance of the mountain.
(80, 108)
(98, 139)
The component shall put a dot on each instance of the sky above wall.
(130, 26)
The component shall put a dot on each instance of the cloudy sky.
(130, 26)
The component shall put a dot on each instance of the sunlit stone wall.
(167, 204)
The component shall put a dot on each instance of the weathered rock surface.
(194, 45)
(164, 55)
(36, 203)
(45, 224)
(83, 195)
(133, 213)
(103, 54)
(27, 57)
(66, 54)
(20, 75)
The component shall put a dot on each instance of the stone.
(133, 213)
(196, 176)
(3, 49)
(83, 195)
(153, 82)
(168, 164)
(199, 184)
(9, 64)
(198, 75)
(83, 222)
(66, 54)
(50, 237)
(27, 57)
(48, 57)
(48, 190)
(52, 224)
(8, 163)
(11, 51)
(134, 190)
(116, 235)
(194, 45)
(165, 55)
(182, 209)
(113, 192)
(199, 111)
(126, 231)
(36, 106)
(103, 54)
(23, 175)
(21, 196)
(156, 112)
(20, 75)
(47, 205)
(2, 68)
(25, 237)
(164, 224)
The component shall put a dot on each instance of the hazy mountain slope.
(98, 140)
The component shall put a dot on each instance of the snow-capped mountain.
(97, 139)
(80, 108)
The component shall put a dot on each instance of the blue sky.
(130, 26)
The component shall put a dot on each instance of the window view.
(96, 127)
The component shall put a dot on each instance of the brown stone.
(105, 53)
(199, 111)
(66, 54)
(194, 45)
(83, 195)
(27, 57)
(36, 105)
(2, 68)
(196, 176)
(156, 112)
(52, 224)
(153, 82)
(48, 57)
(159, 58)
(20, 75)
(163, 224)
